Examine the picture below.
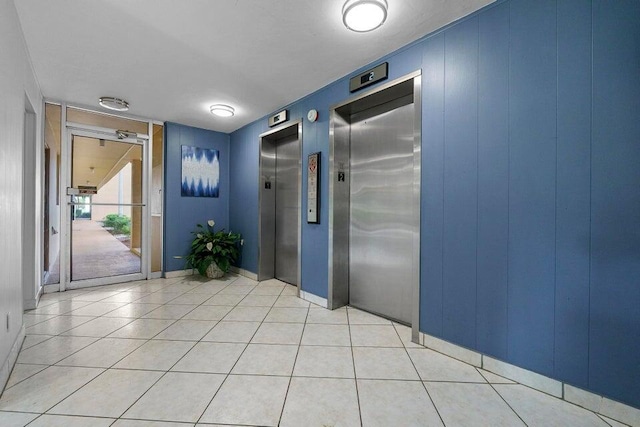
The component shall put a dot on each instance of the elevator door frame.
(266, 214)
(339, 192)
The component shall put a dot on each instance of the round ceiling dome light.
(364, 15)
(112, 103)
(222, 110)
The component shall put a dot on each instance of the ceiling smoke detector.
(364, 15)
(112, 103)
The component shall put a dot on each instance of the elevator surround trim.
(338, 292)
(266, 257)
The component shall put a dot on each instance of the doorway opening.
(280, 200)
(374, 202)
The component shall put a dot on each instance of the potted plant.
(212, 252)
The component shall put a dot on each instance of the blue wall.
(530, 243)
(183, 213)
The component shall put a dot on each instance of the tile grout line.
(421, 380)
(295, 360)
(353, 360)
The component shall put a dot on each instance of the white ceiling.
(171, 59)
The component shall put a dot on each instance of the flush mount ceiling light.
(364, 15)
(222, 110)
(112, 103)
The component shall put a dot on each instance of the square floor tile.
(134, 310)
(31, 340)
(278, 333)
(70, 421)
(247, 314)
(177, 397)
(186, 330)
(230, 300)
(61, 307)
(46, 388)
(287, 315)
(232, 332)
(103, 353)
(208, 312)
(95, 295)
(264, 359)
(126, 297)
(492, 378)
(383, 363)
(234, 289)
(190, 299)
(540, 409)
(322, 315)
(21, 372)
(15, 419)
(469, 404)
(324, 362)
(99, 327)
(58, 325)
(169, 312)
(291, 301)
(142, 328)
(267, 290)
(97, 308)
(321, 402)
(210, 357)
(434, 366)
(53, 350)
(109, 395)
(258, 301)
(32, 319)
(402, 403)
(159, 297)
(247, 399)
(208, 288)
(140, 423)
(360, 317)
(375, 336)
(156, 355)
(332, 335)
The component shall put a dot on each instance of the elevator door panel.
(381, 218)
(287, 209)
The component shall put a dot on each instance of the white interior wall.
(17, 83)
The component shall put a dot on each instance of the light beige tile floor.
(185, 352)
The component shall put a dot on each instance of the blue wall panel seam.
(444, 143)
(555, 226)
(477, 173)
(590, 206)
(508, 180)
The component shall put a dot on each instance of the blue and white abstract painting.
(200, 172)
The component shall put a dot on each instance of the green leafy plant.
(221, 247)
(121, 224)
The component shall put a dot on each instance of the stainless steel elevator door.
(287, 209)
(381, 218)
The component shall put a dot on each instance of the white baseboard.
(49, 289)
(179, 273)
(586, 399)
(7, 367)
(246, 273)
(314, 299)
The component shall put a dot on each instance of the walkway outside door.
(107, 193)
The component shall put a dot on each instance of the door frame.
(263, 240)
(339, 158)
(143, 140)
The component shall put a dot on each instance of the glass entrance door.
(107, 207)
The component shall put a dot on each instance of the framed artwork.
(200, 172)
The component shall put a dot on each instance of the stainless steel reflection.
(280, 196)
(287, 208)
(374, 214)
(381, 215)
